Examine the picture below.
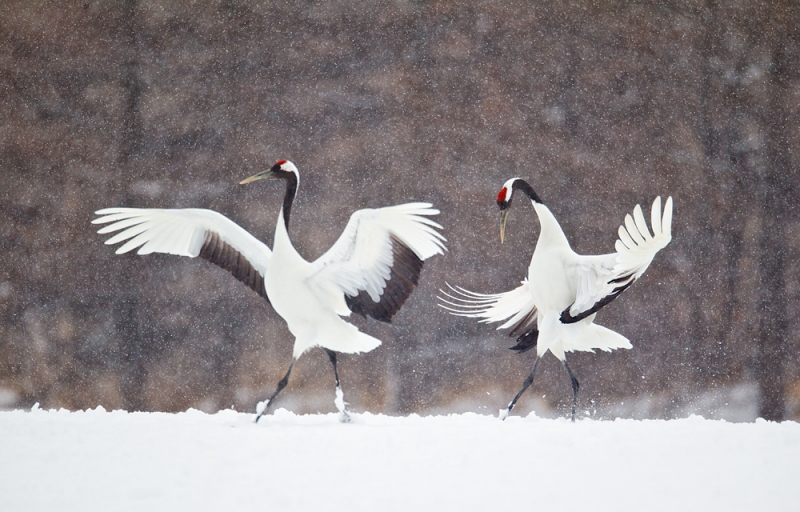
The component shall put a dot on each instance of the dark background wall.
(599, 105)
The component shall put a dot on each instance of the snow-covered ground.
(98, 460)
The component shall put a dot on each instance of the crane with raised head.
(371, 269)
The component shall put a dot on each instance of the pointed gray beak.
(256, 177)
(503, 218)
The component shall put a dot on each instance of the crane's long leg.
(525, 385)
(575, 387)
(262, 407)
(343, 416)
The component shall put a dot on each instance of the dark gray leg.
(525, 385)
(282, 384)
(575, 387)
(343, 416)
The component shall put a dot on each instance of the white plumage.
(554, 308)
(371, 269)
(179, 232)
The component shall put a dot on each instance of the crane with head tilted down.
(553, 310)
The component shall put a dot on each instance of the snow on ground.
(98, 460)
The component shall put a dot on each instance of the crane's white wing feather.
(515, 307)
(377, 259)
(600, 279)
(189, 232)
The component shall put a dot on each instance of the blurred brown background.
(599, 105)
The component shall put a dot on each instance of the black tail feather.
(526, 342)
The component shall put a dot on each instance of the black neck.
(291, 191)
(522, 185)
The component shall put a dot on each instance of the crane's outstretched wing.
(516, 307)
(601, 279)
(190, 232)
(377, 260)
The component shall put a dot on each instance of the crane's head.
(504, 200)
(283, 169)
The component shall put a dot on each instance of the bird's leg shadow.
(575, 387)
(262, 407)
(339, 401)
(504, 412)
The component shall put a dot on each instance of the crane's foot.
(261, 408)
(525, 385)
(340, 406)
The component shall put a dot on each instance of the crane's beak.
(503, 218)
(256, 177)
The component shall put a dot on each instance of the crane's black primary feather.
(567, 318)
(220, 253)
(527, 323)
(528, 326)
(404, 276)
(526, 342)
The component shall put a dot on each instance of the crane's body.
(554, 308)
(313, 314)
(371, 269)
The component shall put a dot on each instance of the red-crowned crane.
(370, 270)
(554, 308)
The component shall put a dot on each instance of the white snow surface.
(110, 461)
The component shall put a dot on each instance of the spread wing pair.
(375, 263)
(554, 307)
(371, 269)
(597, 280)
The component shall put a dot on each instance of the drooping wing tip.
(439, 238)
(470, 294)
(462, 302)
(418, 212)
